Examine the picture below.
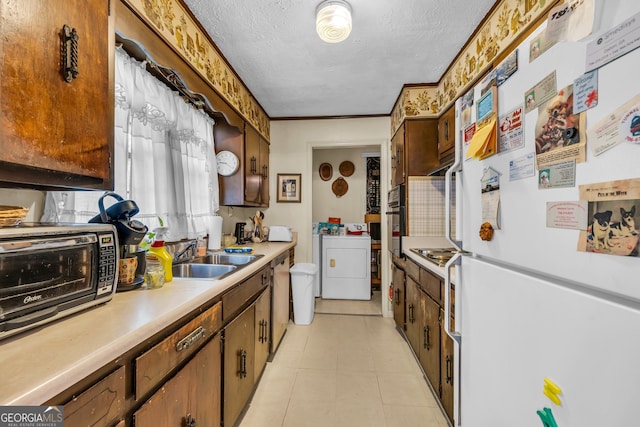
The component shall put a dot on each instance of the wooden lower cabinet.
(447, 370)
(239, 357)
(262, 335)
(191, 397)
(429, 353)
(101, 405)
(413, 316)
(398, 280)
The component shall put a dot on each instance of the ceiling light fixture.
(333, 20)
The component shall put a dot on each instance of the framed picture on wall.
(288, 187)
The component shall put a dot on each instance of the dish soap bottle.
(160, 251)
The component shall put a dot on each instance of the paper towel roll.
(215, 232)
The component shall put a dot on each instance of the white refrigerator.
(528, 305)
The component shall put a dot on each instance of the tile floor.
(343, 370)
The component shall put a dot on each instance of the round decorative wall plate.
(325, 171)
(340, 187)
(347, 168)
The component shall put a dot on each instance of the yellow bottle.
(160, 251)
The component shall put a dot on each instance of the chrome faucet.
(189, 248)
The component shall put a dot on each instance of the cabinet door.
(264, 173)
(397, 157)
(430, 340)
(239, 351)
(252, 178)
(100, 405)
(421, 146)
(447, 133)
(446, 370)
(398, 296)
(191, 396)
(54, 132)
(413, 313)
(262, 335)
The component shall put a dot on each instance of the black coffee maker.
(130, 233)
(239, 233)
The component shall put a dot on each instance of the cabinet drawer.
(154, 365)
(100, 405)
(412, 270)
(234, 300)
(431, 284)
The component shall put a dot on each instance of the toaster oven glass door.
(39, 275)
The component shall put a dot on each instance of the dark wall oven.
(396, 219)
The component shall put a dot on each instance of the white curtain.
(164, 159)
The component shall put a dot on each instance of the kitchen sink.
(227, 259)
(202, 271)
(213, 266)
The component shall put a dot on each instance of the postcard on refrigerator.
(572, 21)
(570, 215)
(612, 213)
(540, 93)
(619, 126)
(560, 134)
(585, 89)
(511, 130)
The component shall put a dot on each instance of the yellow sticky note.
(480, 139)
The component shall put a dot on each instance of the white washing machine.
(346, 267)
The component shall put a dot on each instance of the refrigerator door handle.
(448, 182)
(455, 260)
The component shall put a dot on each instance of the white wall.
(350, 207)
(292, 146)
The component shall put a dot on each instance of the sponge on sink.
(238, 249)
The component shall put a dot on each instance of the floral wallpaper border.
(504, 25)
(172, 22)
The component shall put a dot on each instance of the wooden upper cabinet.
(414, 149)
(249, 186)
(447, 133)
(53, 132)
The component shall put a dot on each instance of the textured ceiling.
(273, 46)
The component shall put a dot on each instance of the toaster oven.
(48, 271)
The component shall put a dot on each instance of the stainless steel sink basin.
(227, 259)
(202, 271)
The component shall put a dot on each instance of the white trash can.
(302, 291)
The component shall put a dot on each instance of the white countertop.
(39, 364)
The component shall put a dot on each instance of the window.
(164, 158)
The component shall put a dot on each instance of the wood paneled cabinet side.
(191, 397)
(57, 112)
(447, 133)
(397, 157)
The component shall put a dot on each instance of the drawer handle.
(69, 52)
(427, 337)
(190, 339)
(242, 372)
